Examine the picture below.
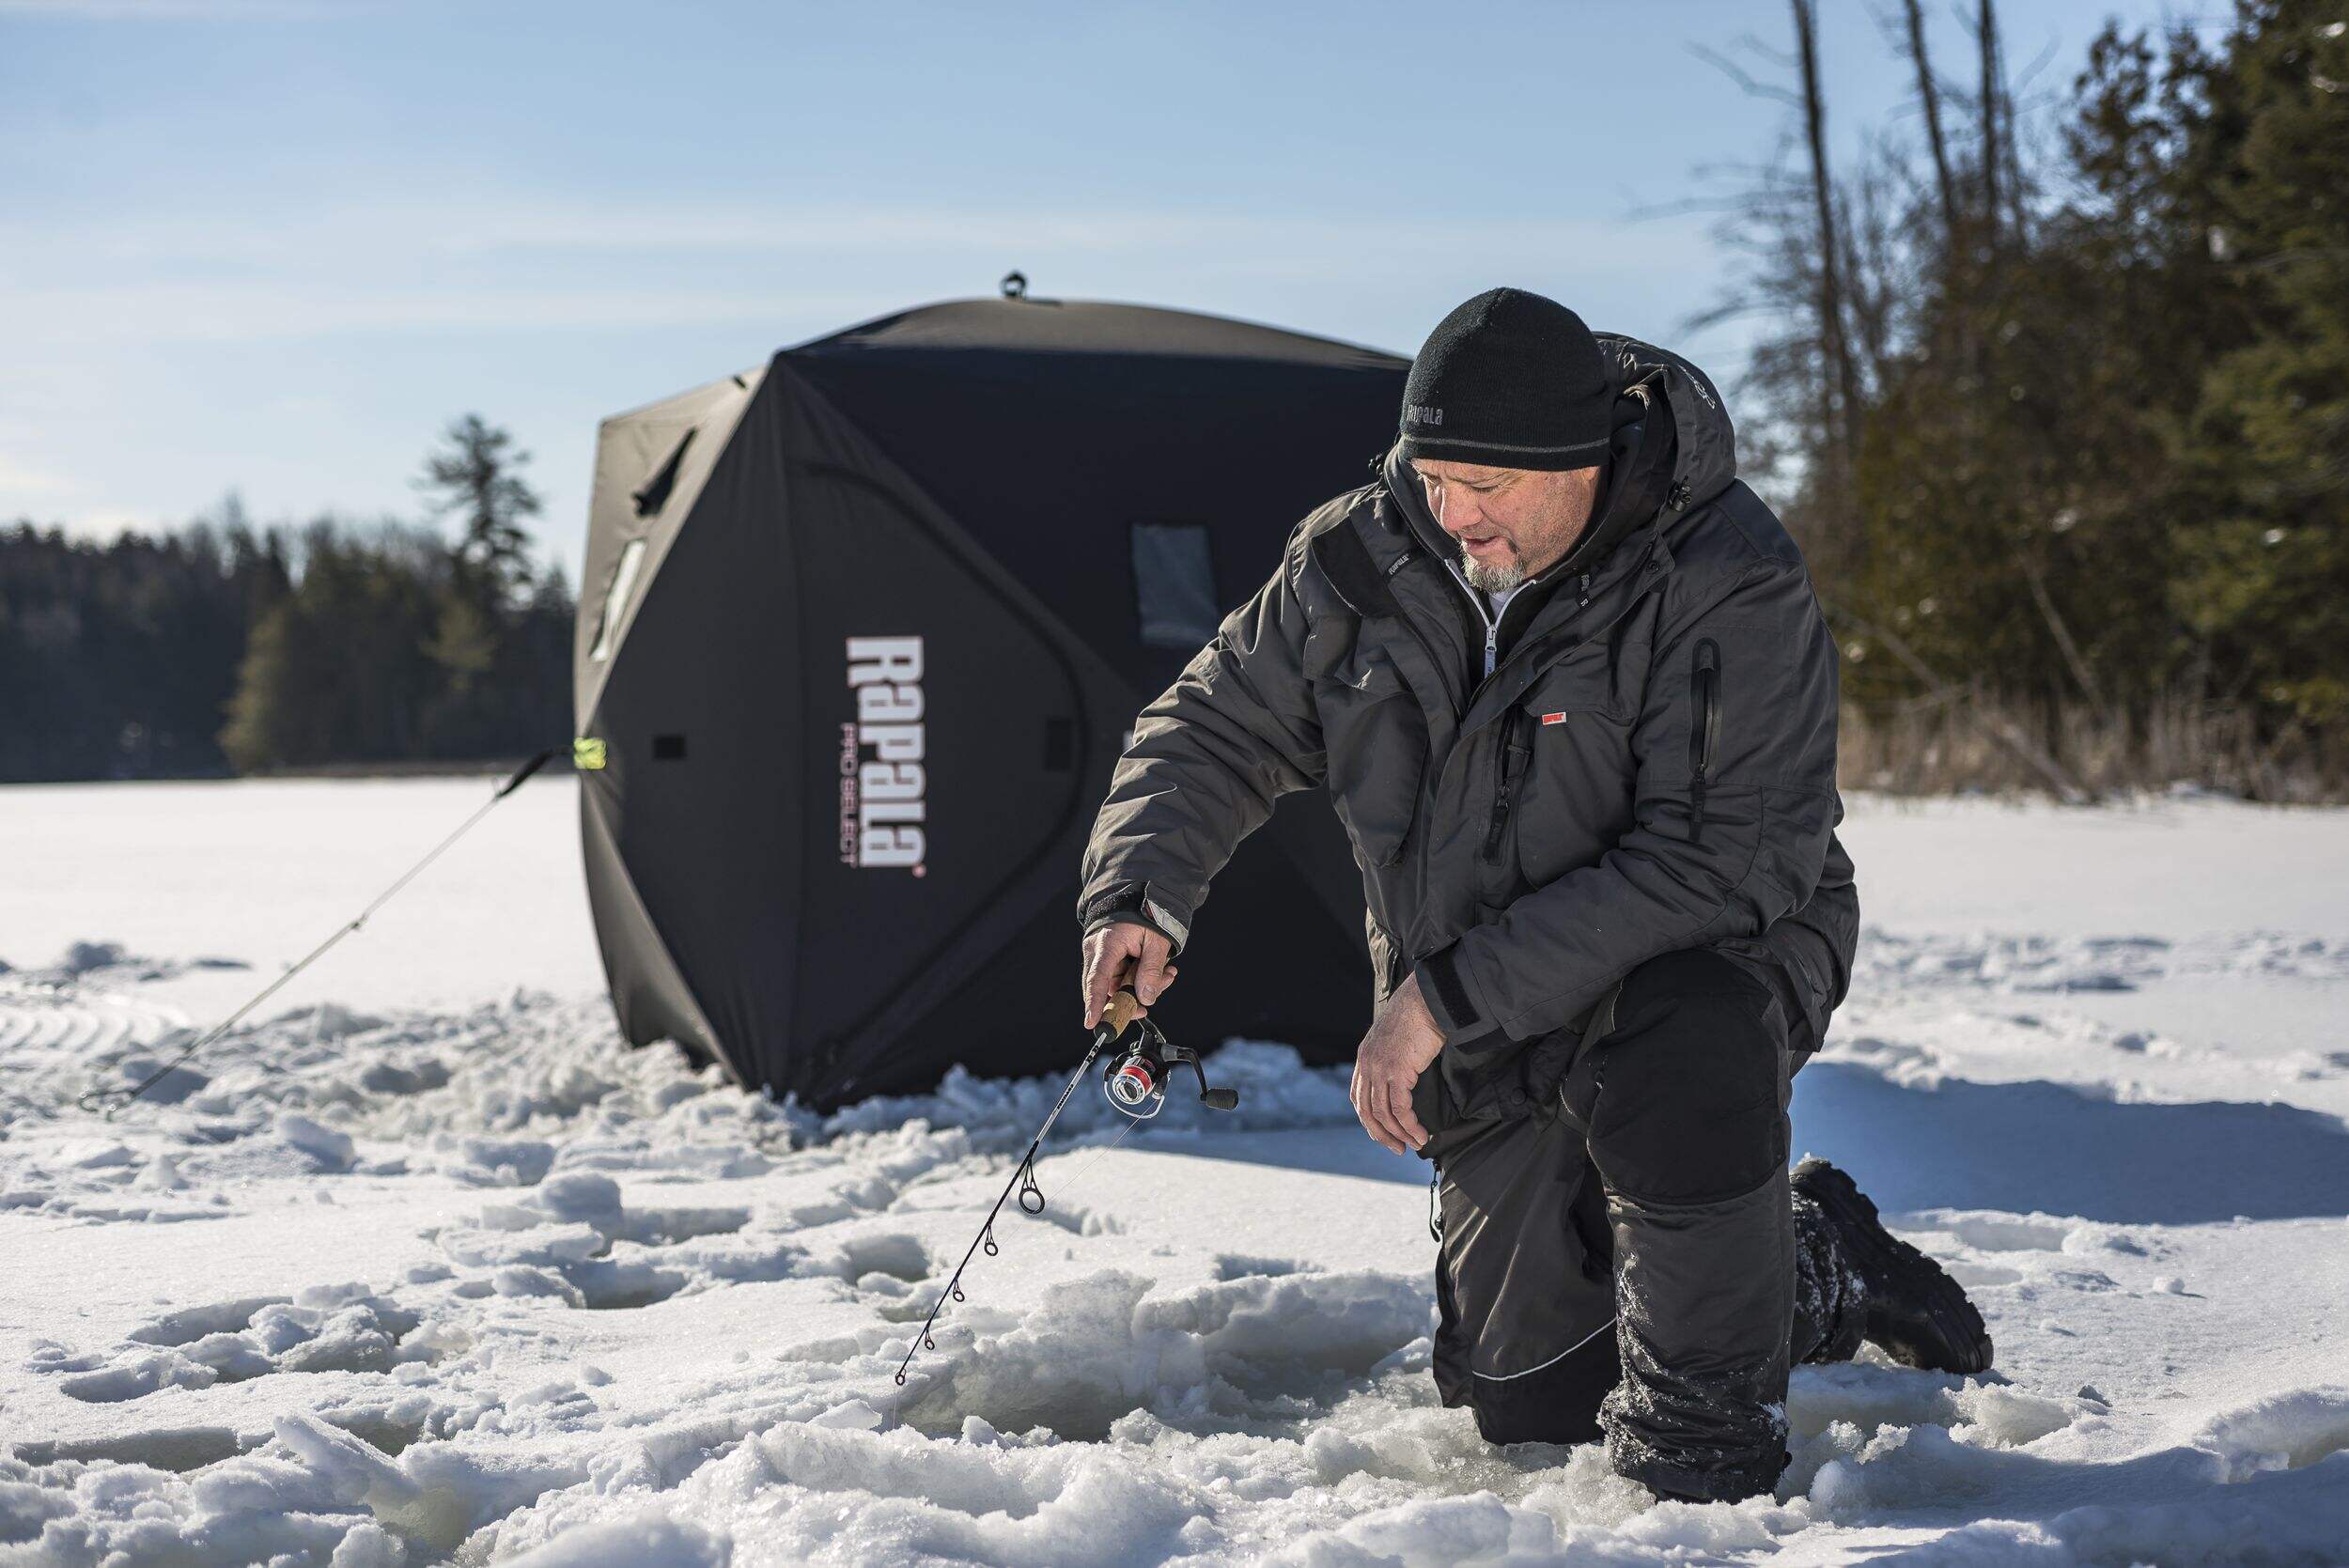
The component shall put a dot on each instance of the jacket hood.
(1674, 449)
(1707, 460)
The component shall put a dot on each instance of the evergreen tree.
(2266, 571)
(2103, 435)
(474, 476)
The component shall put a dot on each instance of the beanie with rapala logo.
(1510, 380)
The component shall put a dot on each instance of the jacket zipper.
(1492, 649)
(1492, 623)
(1704, 729)
(1508, 756)
(1508, 765)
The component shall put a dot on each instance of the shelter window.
(1175, 596)
(655, 492)
(615, 597)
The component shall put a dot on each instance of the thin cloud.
(517, 265)
(428, 226)
(20, 479)
(265, 310)
(189, 11)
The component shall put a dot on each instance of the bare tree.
(1929, 93)
(1834, 340)
(1986, 33)
(1877, 210)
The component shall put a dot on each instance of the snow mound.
(1096, 1350)
(2034, 962)
(369, 1285)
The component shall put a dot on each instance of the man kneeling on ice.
(1566, 682)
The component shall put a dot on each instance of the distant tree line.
(224, 647)
(2060, 403)
(2054, 391)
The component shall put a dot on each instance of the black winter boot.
(1916, 1313)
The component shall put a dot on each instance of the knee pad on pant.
(1691, 1083)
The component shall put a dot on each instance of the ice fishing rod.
(115, 1099)
(1133, 1079)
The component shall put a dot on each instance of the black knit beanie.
(1509, 379)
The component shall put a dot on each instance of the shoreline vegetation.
(2051, 382)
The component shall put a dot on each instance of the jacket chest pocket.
(1374, 738)
(1568, 739)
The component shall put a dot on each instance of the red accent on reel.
(1133, 1084)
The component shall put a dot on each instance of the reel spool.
(1135, 1079)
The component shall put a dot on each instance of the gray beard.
(1494, 577)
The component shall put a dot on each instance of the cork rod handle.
(1120, 1012)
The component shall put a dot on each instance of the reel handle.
(1214, 1099)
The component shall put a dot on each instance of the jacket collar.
(1617, 546)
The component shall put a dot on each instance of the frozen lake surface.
(425, 1267)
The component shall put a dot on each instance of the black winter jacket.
(1649, 766)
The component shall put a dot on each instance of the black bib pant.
(1647, 1180)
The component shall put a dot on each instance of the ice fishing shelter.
(860, 635)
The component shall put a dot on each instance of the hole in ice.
(381, 1429)
(178, 1450)
(899, 1256)
(190, 1324)
(608, 1287)
(675, 1226)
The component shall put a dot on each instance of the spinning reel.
(1135, 1079)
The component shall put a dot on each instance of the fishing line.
(1133, 1080)
(115, 1099)
(1076, 1178)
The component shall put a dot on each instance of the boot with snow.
(1916, 1313)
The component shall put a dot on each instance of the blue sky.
(275, 246)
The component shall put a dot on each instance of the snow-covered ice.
(424, 1266)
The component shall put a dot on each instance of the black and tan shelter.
(861, 636)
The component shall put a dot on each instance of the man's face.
(1510, 523)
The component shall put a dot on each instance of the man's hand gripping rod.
(1136, 1079)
